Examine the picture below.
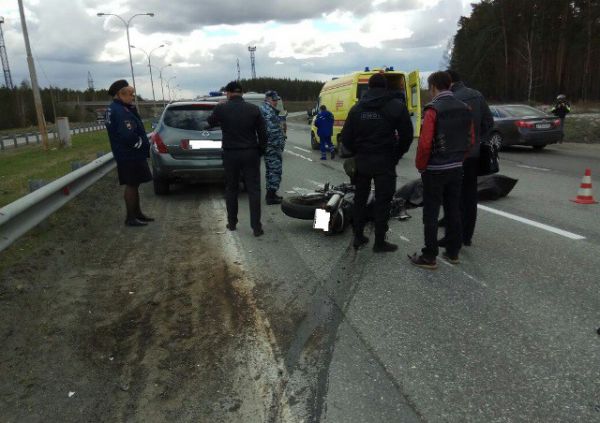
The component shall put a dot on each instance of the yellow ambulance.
(340, 94)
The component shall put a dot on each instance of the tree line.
(530, 50)
(288, 89)
(17, 108)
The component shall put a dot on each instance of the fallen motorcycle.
(331, 207)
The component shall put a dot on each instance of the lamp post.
(162, 90)
(150, 66)
(126, 23)
(169, 87)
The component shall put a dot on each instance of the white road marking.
(299, 155)
(543, 169)
(403, 238)
(303, 149)
(533, 223)
(463, 272)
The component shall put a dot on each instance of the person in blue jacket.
(324, 124)
(131, 148)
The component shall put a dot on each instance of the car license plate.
(543, 126)
(204, 144)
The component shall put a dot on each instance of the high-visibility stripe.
(586, 186)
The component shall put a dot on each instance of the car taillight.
(524, 124)
(556, 123)
(185, 144)
(159, 145)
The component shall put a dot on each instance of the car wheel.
(497, 138)
(161, 186)
(313, 141)
(539, 147)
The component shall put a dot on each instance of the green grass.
(582, 130)
(19, 165)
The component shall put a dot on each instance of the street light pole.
(126, 23)
(169, 87)
(162, 89)
(148, 55)
(37, 99)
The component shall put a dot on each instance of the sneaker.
(332, 154)
(258, 232)
(324, 158)
(422, 262)
(230, 226)
(272, 198)
(467, 243)
(384, 247)
(359, 240)
(451, 259)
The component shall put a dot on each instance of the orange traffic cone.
(584, 196)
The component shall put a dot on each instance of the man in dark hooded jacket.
(378, 131)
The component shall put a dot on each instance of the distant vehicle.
(340, 94)
(518, 124)
(184, 147)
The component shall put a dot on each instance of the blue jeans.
(326, 145)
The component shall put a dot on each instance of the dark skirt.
(134, 172)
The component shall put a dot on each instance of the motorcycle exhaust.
(333, 202)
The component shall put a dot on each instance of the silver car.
(184, 147)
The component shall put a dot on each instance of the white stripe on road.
(543, 226)
(299, 155)
(463, 272)
(303, 149)
(543, 169)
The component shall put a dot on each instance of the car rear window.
(188, 117)
(521, 111)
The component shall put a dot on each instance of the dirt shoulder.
(106, 323)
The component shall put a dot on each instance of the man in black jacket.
(244, 141)
(483, 122)
(378, 131)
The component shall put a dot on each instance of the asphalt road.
(508, 335)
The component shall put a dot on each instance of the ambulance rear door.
(414, 100)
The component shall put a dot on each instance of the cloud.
(305, 39)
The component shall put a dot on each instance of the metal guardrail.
(26, 138)
(24, 214)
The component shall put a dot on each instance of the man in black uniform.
(244, 141)
(378, 131)
(483, 122)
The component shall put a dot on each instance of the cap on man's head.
(272, 95)
(377, 81)
(233, 87)
(117, 86)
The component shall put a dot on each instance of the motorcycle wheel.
(303, 207)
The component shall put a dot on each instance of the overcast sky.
(307, 39)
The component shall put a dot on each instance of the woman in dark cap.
(130, 147)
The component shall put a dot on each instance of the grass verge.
(19, 165)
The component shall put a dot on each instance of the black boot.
(382, 246)
(271, 198)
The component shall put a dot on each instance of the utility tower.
(252, 49)
(238, 69)
(90, 82)
(7, 77)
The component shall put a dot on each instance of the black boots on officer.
(272, 197)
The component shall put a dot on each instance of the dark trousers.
(468, 203)
(442, 189)
(246, 162)
(326, 145)
(382, 171)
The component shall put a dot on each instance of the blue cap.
(272, 95)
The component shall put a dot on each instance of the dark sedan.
(518, 124)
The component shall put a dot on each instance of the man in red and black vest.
(447, 135)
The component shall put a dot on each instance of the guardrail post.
(26, 139)
(37, 138)
(77, 165)
(15, 140)
(2, 143)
